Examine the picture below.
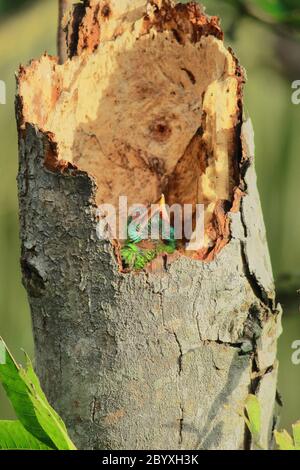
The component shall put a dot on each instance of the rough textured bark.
(63, 6)
(162, 358)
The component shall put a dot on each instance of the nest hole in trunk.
(146, 114)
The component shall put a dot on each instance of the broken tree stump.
(149, 101)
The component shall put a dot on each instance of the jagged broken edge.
(166, 15)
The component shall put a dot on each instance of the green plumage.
(135, 257)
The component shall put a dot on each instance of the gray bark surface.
(151, 359)
(145, 361)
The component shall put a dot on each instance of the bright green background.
(27, 32)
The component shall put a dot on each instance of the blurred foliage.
(266, 42)
(8, 6)
(285, 12)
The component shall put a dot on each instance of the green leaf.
(296, 434)
(253, 418)
(31, 406)
(56, 419)
(14, 436)
(284, 440)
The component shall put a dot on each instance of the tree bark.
(63, 6)
(163, 358)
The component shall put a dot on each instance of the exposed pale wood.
(150, 100)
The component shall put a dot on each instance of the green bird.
(134, 255)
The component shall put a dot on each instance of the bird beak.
(163, 209)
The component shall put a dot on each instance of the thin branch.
(61, 38)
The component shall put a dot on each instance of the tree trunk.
(63, 6)
(164, 357)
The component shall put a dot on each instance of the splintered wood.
(149, 102)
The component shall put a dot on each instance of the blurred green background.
(265, 35)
